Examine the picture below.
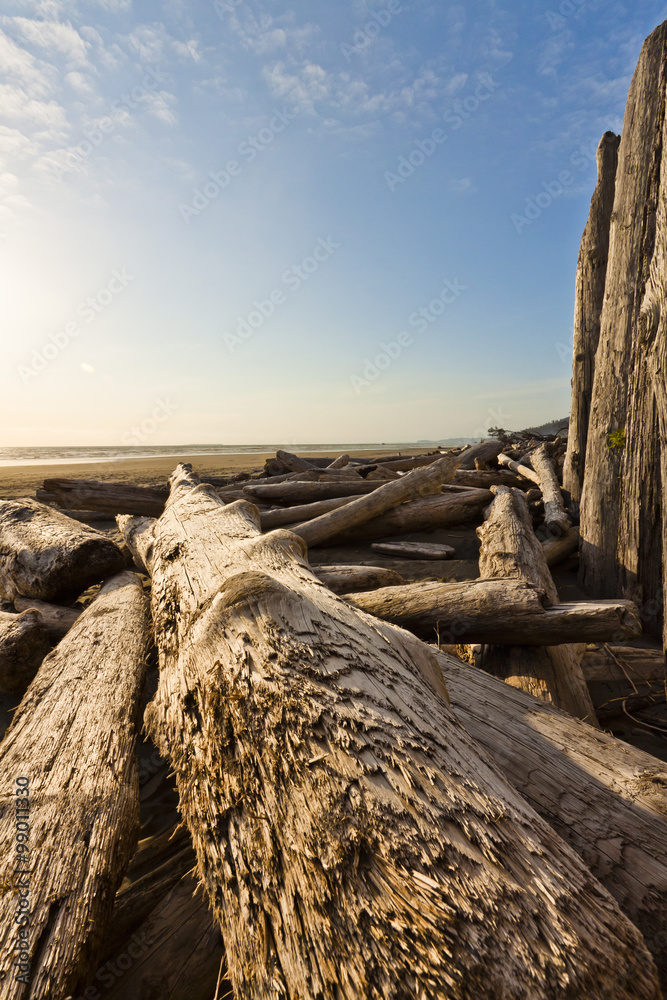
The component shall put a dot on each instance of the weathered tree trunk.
(293, 462)
(623, 510)
(47, 555)
(346, 579)
(588, 299)
(340, 462)
(487, 451)
(423, 482)
(404, 464)
(555, 518)
(24, 642)
(604, 797)
(485, 480)
(309, 492)
(110, 498)
(510, 550)
(70, 752)
(281, 516)
(519, 468)
(415, 550)
(498, 611)
(352, 842)
(58, 620)
(422, 515)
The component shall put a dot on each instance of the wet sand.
(23, 480)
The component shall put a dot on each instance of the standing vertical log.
(622, 504)
(351, 840)
(510, 550)
(588, 299)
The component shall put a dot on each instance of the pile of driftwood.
(361, 813)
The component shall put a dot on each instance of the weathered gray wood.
(556, 520)
(422, 482)
(46, 555)
(346, 579)
(623, 509)
(519, 468)
(415, 550)
(58, 620)
(557, 549)
(281, 516)
(350, 838)
(485, 480)
(589, 296)
(24, 642)
(487, 451)
(137, 534)
(510, 550)
(111, 498)
(72, 740)
(293, 462)
(498, 611)
(307, 492)
(604, 797)
(425, 515)
(406, 463)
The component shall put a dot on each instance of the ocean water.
(111, 453)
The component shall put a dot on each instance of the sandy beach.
(23, 480)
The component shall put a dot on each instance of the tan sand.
(23, 480)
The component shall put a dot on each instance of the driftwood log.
(557, 549)
(24, 642)
(420, 483)
(498, 611)
(58, 620)
(623, 509)
(556, 520)
(45, 554)
(70, 752)
(297, 492)
(281, 516)
(588, 299)
(428, 514)
(414, 550)
(110, 498)
(510, 550)
(346, 579)
(604, 797)
(486, 451)
(352, 842)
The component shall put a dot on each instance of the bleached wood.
(346, 579)
(607, 799)
(351, 840)
(555, 517)
(422, 482)
(487, 451)
(340, 462)
(73, 737)
(24, 642)
(510, 550)
(58, 620)
(498, 611)
(415, 550)
(45, 554)
(281, 516)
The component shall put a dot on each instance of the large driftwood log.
(422, 515)
(510, 550)
(47, 555)
(58, 620)
(498, 611)
(623, 508)
(557, 549)
(70, 752)
(484, 480)
(604, 797)
(422, 482)
(294, 462)
(308, 492)
(340, 462)
(281, 516)
(588, 299)
(111, 498)
(350, 839)
(415, 550)
(24, 642)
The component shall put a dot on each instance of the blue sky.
(268, 221)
